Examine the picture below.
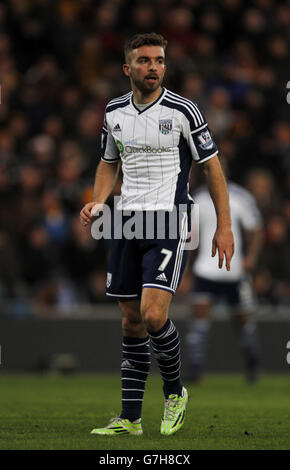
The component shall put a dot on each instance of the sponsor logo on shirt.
(132, 147)
(146, 149)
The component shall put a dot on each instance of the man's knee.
(133, 327)
(154, 316)
(154, 308)
(132, 322)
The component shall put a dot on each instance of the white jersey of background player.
(245, 216)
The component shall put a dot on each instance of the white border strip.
(207, 158)
(178, 259)
(121, 295)
(159, 287)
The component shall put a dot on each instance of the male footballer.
(155, 135)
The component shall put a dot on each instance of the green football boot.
(174, 413)
(118, 426)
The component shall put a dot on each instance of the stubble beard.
(146, 88)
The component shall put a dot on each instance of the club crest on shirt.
(165, 126)
(205, 140)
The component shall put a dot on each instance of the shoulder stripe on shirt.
(198, 129)
(184, 108)
(120, 98)
(121, 104)
(189, 103)
(197, 118)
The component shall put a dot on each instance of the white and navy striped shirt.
(156, 146)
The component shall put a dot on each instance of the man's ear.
(126, 69)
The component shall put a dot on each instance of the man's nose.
(152, 66)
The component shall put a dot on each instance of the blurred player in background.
(233, 287)
(156, 135)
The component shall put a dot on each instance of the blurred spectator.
(282, 143)
(71, 100)
(10, 267)
(39, 257)
(27, 204)
(106, 24)
(262, 185)
(178, 25)
(89, 61)
(54, 219)
(143, 18)
(67, 32)
(19, 130)
(205, 56)
(219, 114)
(90, 123)
(72, 163)
(54, 128)
(274, 261)
(254, 26)
(193, 88)
(178, 62)
(85, 261)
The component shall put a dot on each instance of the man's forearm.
(218, 190)
(105, 180)
(223, 239)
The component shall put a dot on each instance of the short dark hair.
(146, 39)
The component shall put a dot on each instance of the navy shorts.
(237, 294)
(156, 262)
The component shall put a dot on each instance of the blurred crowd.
(60, 63)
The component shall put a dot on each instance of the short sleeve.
(246, 207)
(109, 150)
(198, 135)
(250, 215)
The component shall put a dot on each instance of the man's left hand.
(223, 242)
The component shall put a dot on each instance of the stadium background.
(60, 63)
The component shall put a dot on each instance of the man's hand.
(90, 210)
(223, 241)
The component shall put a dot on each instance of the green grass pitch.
(58, 412)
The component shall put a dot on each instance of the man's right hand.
(90, 210)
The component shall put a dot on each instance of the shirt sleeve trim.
(110, 161)
(199, 129)
(207, 158)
